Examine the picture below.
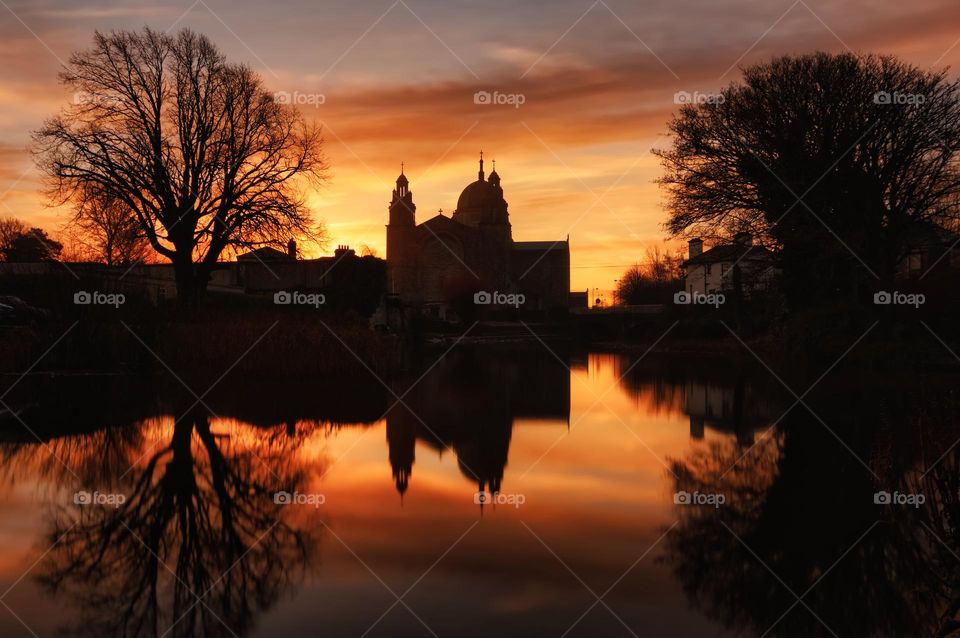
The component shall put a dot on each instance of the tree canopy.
(829, 158)
(21, 244)
(195, 148)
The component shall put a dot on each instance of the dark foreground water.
(621, 498)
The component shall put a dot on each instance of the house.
(719, 268)
(927, 246)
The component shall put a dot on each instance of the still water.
(623, 497)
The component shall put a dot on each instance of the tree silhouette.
(31, 245)
(796, 506)
(870, 144)
(108, 231)
(195, 148)
(198, 548)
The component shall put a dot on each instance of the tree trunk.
(188, 292)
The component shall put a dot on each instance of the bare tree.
(106, 230)
(653, 281)
(196, 148)
(10, 229)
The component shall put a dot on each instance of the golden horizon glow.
(399, 86)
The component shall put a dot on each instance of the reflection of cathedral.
(446, 258)
(468, 404)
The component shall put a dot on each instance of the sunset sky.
(398, 80)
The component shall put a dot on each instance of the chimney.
(343, 250)
(744, 239)
(696, 248)
(292, 249)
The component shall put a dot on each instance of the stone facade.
(444, 259)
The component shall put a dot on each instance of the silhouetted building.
(433, 264)
(926, 246)
(268, 254)
(717, 269)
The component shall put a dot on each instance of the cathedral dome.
(480, 195)
(481, 202)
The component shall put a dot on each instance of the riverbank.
(260, 341)
(252, 336)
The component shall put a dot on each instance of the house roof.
(730, 252)
(264, 253)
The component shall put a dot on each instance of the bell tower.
(402, 208)
(400, 232)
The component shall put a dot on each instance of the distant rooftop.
(730, 252)
(560, 244)
(265, 253)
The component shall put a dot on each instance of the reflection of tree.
(199, 521)
(796, 504)
(96, 458)
(702, 551)
(937, 523)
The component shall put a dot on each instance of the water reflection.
(200, 548)
(468, 403)
(713, 394)
(197, 548)
(801, 548)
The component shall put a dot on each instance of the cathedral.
(471, 255)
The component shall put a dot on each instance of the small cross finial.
(494, 164)
(481, 153)
(401, 168)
